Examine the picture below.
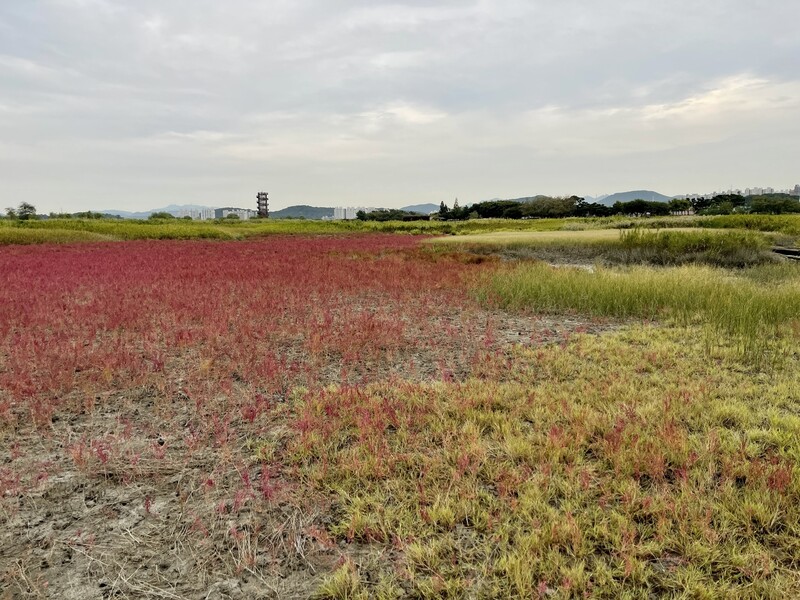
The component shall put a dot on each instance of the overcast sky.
(135, 104)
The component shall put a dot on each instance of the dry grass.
(19, 235)
(533, 238)
(621, 466)
(729, 248)
(759, 307)
(270, 418)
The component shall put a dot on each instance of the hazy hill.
(648, 195)
(530, 198)
(424, 209)
(127, 214)
(598, 199)
(523, 199)
(301, 211)
(316, 212)
(172, 209)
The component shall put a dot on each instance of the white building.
(757, 191)
(197, 214)
(242, 213)
(342, 213)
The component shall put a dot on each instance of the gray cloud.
(131, 104)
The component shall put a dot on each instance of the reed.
(743, 306)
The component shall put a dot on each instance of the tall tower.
(263, 204)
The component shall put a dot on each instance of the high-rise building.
(242, 213)
(341, 213)
(197, 214)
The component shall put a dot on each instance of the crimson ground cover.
(339, 416)
(131, 372)
(118, 315)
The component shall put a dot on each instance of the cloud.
(409, 99)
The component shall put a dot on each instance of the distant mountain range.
(607, 199)
(649, 195)
(173, 209)
(304, 211)
(299, 211)
(423, 209)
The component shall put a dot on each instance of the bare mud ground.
(122, 498)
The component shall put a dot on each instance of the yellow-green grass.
(231, 229)
(785, 224)
(593, 236)
(114, 229)
(533, 238)
(622, 466)
(17, 235)
(736, 248)
(757, 310)
(667, 246)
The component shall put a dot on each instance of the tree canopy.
(23, 212)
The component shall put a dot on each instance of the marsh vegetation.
(283, 414)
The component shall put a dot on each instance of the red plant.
(269, 314)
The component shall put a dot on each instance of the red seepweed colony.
(339, 416)
(137, 378)
(88, 318)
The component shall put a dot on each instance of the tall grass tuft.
(665, 247)
(18, 235)
(626, 246)
(754, 313)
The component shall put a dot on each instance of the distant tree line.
(575, 206)
(725, 204)
(88, 214)
(390, 214)
(27, 212)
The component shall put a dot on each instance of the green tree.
(26, 211)
(512, 212)
(493, 209)
(23, 212)
(550, 207)
(591, 209)
(775, 204)
(679, 205)
(161, 215)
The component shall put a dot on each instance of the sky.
(136, 104)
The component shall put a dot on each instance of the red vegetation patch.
(134, 378)
(264, 312)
